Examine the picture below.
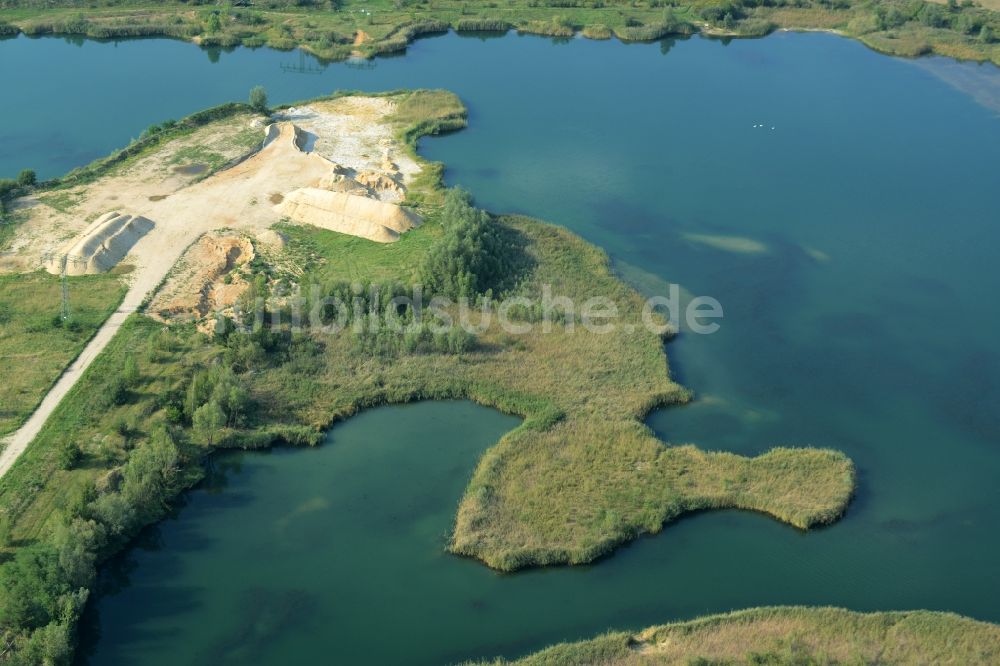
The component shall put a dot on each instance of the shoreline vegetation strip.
(340, 29)
(786, 636)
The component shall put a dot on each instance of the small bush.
(115, 393)
(258, 99)
(9, 188)
(555, 27)
(755, 27)
(69, 455)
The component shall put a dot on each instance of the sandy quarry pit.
(153, 209)
(204, 280)
(334, 164)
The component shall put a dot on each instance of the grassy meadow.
(36, 344)
(787, 636)
(342, 28)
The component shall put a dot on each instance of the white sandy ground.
(237, 198)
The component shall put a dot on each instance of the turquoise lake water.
(866, 322)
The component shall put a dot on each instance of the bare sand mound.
(348, 214)
(199, 285)
(101, 245)
(338, 182)
(380, 183)
(272, 239)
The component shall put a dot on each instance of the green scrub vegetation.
(788, 636)
(337, 29)
(579, 476)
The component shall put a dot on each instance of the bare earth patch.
(204, 280)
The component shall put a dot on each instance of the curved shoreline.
(787, 635)
(404, 29)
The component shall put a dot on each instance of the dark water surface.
(864, 320)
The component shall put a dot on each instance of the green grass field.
(35, 343)
(788, 636)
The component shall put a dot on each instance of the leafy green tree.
(32, 585)
(208, 420)
(229, 394)
(151, 474)
(214, 23)
(27, 178)
(115, 514)
(69, 454)
(115, 393)
(77, 544)
(243, 353)
(968, 23)
(198, 393)
(53, 643)
(258, 99)
(933, 16)
(986, 35)
(471, 255)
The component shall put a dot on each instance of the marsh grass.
(582, 474)
(788, 635)
(556, 26)
(597, 31)
(483, 25)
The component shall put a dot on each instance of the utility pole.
(303, 67)
(63, 260)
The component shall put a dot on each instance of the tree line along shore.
(339, 29)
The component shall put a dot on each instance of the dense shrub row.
(46, 585)
(471, 256)
(482, 25)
